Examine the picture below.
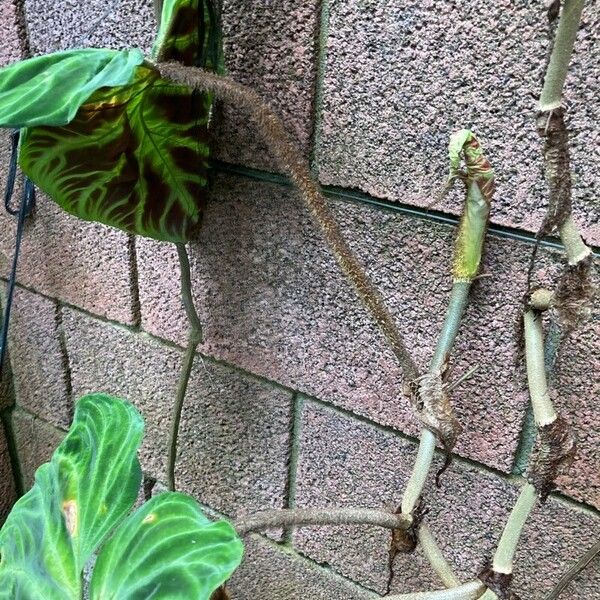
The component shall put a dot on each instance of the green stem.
(575, 247)
(579, 566)
(459, 297)
(419, 473)
(436, 558)
(556, 73)
(543, 410)
(456, 308)
(194, 338)
(503, 558)
(468, 591)
(158, 4)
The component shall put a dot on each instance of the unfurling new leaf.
(480, 181)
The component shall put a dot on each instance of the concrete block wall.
(295, 400)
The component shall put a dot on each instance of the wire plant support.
(21, 212)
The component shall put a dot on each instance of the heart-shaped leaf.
(48, 90)
(78, 498)
(166, 550)
(135, 157)
(189, 33)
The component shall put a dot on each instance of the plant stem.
(579, 566)
(575, 247)
(459, 297)
(194, 338)
(436, 558)
(419, 473)
(456, 307)
(543, 410)
(292, 162)
(467, 591)
(556, 73)
(302, 517)
(503, 558)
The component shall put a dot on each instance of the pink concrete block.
(274, 302)
(235, 429)
(271, 573)
(60, 24)
(11, 33)
(400, 77)
(36, 441)
(576, 388)
(80, 263)
(369, 467)
(7, 482)
(270, 47)
(37, 359)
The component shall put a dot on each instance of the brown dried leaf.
(574, 296)
(553, 453)
(499, 583)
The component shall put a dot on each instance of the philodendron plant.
(78, 508)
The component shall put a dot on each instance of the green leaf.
(48, 90)
(480, 181)
(135, 157)
(189, 33)
(167, 550)
(78, 498)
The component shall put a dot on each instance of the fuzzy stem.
(503, 558)
(579, 566)
(303, 517)
(543, 410)
(194, 338)
(292, 162)
(436, 558)
(556, 73)
(456, 308)
(467, 591)
(575, 247)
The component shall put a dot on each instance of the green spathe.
(48, 90)
(82, 495)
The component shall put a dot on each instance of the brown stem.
(303, 517)
(194, 338)
(579, 566)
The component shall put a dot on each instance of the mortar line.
(318, 97)
(407, 210)
(294, 453)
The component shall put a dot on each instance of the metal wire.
(25, 208)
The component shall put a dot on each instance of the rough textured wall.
(295, 399)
